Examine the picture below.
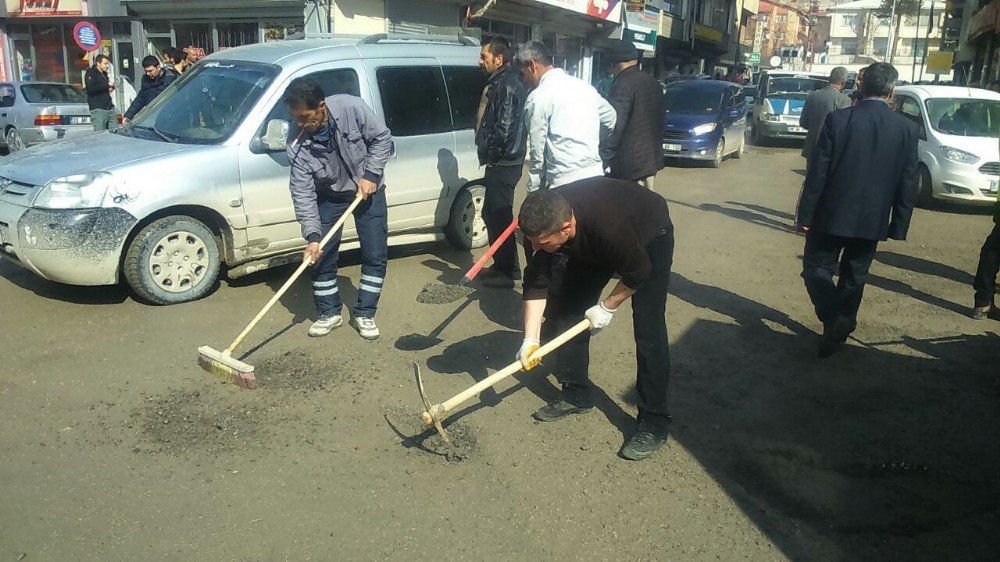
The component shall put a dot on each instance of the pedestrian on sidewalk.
(847, 213)
(601, 227)
(985, 284)
(634, 150)
(501, 136)
(154, 81)
(99, 87)
(338, 148)
(566, 120)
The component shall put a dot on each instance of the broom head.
(226, 366)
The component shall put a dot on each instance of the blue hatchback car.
(705, 120)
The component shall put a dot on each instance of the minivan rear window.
(414, 100)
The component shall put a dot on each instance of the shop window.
(50, 59)
(414, 100)
(76, 57)
(25, 66)
(194, 34)
(237, 34)
(465, 89)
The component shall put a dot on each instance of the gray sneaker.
(325, 325)
(366, 327)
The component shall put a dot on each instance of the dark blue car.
(705, 120)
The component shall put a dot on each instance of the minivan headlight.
(703, 129)
(770, 117)
(76, 191)
(960, 156)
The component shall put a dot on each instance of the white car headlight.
(770, 117)
(77, 191)
(960, 156)
(703, 129)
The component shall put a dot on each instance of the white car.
(959, 151)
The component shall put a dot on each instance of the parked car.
(959, 155)
(778, 106)
(705, 120)
(197, 183)
(34, 112)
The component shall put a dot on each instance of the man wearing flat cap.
(633, 151)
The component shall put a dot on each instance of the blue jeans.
(371, 220)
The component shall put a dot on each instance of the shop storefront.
(983, 35)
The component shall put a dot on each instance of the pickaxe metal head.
(427, 417)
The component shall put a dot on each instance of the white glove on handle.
(600, 316)
(529, 346)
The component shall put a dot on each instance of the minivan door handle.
(392, 150)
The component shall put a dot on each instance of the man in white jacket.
(567, 119)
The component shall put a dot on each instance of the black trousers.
(577, 286)
(819, 263)
(498, 213)
(985, 283)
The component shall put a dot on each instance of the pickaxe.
(433, 414)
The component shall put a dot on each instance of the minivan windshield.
(781, 84)
(692, 101)
(207, 104)
(965, 117)
(52, 93)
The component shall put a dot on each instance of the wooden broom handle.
(298, 272)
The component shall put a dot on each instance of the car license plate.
(993, 186)
(796, 130)
(672, 147)
(79, 120)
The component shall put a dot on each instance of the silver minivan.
(197, 184)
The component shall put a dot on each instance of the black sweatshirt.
(615, 220)
(96, 84)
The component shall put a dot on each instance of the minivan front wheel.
(925, 189)
(466, 228)
(172, 260)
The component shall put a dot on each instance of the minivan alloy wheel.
(179, 261)
(466, 228)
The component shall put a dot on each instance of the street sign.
(753, 58)
(87, 36)
(939, 62)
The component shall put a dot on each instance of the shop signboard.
(939, 62)
(641, 30)
(753, 58)
(87, 36)
(44, 8)
(706, 33)
(610, 10)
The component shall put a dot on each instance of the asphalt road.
(116, 445)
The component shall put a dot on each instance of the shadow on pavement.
(926, 267)
(110, 294)
(869, 454)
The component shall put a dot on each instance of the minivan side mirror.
(275, 138)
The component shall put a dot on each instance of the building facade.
(978, 57)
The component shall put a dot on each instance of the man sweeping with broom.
(338, 150)
(581, 237)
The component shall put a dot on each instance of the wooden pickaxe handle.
(475, 269)
(438, 411)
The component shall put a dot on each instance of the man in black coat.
(634, 150)
(154, 81)
(99, 88)
(501, 136)
(848, 213)
(985, 283)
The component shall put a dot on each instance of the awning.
(199, 9)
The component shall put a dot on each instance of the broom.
(235, 371)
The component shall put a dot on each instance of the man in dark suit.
(985, 283)
(847, 213)
(633, 150)
(821, 103)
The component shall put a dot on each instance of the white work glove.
(528, 347)
(599, 316)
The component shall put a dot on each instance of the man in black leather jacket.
(500, 139)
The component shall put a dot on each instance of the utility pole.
(927, 42)
(913, 51)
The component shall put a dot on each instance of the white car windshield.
(965, 117)
(206, 104)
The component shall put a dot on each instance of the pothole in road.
(297, 371)
(187, 421)
(406, 422)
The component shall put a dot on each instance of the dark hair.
(150, 61)
(879, 80)
(543, 212)
(499, 46)
(533, 51)
(174, 53)
(99, 58)
(303, 92)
